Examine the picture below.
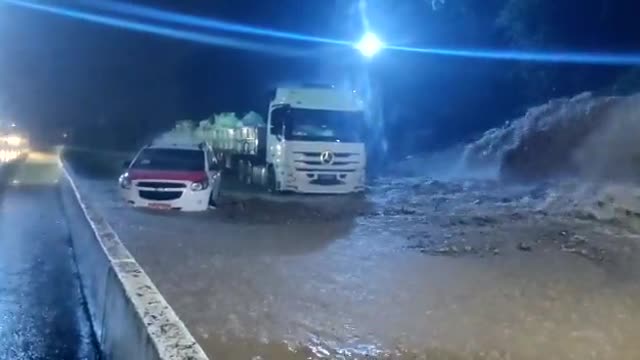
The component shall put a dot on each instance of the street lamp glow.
(369, 45)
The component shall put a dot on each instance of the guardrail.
(130, 318)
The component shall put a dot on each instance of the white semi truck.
(312, 142)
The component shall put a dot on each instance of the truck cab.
(315, 141)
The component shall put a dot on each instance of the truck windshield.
(170, 159)
(320, 125)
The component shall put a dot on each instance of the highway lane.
(41, 311)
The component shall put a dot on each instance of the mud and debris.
(468, 218)
(263, 210)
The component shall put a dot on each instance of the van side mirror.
(126, 164)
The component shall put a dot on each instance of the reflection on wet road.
(41, 313)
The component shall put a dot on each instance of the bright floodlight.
(369, 45)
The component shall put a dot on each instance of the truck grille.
(309, 166)
(342, 161)
(161, 185)
(317, 154)
(160, 195)
(335, 163)
(326, 170)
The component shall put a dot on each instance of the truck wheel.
(271, 180)
(241, 171)
(249, 173)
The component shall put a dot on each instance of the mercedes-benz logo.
(326, 157)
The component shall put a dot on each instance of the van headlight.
(200, 185)
(125, 181)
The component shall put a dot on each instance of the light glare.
(139, 26)
(369, 45)
(209, 23)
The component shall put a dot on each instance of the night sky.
(112, 88)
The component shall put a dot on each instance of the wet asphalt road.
(41, 313)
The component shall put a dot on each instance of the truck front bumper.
(325, 182)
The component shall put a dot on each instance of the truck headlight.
(200, 185)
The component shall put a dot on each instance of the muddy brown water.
(352, 287)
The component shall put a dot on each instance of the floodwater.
(41, 312)
(414, 272)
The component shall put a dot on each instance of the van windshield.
(170, 159)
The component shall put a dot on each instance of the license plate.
(159, 206)
(325, 177)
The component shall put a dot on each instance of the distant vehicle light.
(13, 140)
(369, 45)
(8, 155)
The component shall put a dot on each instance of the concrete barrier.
(129, 316)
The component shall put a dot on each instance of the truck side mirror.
(278, 116)
(214, 166)
(276, 127)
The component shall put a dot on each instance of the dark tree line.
(604, 26)
(462, 97)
